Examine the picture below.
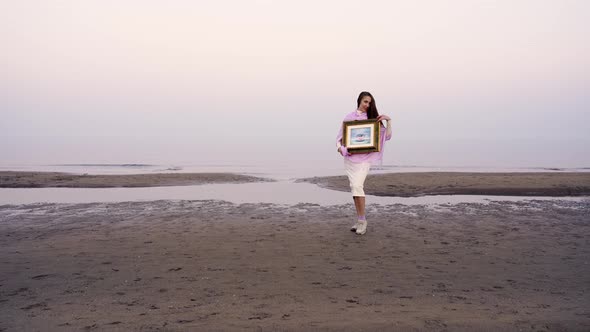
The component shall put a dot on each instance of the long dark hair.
(372, 111)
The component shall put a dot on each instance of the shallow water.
(280, 192)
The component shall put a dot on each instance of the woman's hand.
(383, 117)
(343, 151)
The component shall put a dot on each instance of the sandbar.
(466, 183)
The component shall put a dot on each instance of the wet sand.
(12, 179)
(458, 183)
(217, 266)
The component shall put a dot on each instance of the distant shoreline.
(465, 183)
(17, 179)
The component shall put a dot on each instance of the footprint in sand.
(41, 276)
(35, 305)
(260, 316)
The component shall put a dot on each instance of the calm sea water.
(278, 172)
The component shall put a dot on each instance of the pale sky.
(465, 82)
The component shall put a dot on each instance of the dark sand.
(211, 265)
(11, 179)
(459, 183)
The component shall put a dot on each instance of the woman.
(357, 165)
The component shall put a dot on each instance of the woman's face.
(364, 106)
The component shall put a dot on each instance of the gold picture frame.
(361, 136)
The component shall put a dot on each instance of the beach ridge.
(18, 179)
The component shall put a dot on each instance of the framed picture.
(361, 136)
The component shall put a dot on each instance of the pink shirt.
(371, 157)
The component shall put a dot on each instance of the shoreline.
(406, 184)
(465, 183)
(213, 265)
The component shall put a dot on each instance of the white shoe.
(361, 228)
(355, 226)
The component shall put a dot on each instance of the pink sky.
(444, 70)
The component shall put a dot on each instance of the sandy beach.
(216, 266)
(464, 183)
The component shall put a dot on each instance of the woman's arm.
(388, 134)
(388, 119)
(339, 146)
(339, 139)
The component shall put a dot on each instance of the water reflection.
(280, 192)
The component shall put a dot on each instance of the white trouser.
(357, 173)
